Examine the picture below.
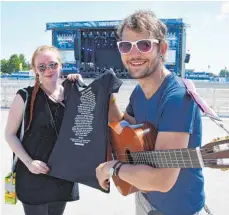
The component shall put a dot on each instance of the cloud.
(224, 12)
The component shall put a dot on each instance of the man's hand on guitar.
(102, 173)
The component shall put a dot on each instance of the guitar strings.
(170, 151)
(163, 159)
(196, 162)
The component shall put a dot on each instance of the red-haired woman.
(39, 192)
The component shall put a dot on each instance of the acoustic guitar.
(135, 144)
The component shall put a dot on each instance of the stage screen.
(172, 48)
(67, 56)
(171, 57)
(64, 39)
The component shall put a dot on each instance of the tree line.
(224, 73)
(14, 63)
(18, 63)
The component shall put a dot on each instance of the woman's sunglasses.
(143, 46)
(43, 67)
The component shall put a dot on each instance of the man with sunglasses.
(160, 98)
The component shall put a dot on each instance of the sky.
(23, 25)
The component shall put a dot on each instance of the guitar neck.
(177, 158)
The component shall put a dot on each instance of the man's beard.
(145, 73)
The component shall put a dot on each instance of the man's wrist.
(117, 169)
(112, 99)
(112, 169)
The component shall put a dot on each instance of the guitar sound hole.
(128, 156)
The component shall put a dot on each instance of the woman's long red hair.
(37, 81)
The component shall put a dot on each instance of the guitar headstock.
(215, 154)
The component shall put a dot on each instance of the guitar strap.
(207, 111)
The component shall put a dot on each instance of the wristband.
(112, 101)
(117, 170)
(112, 169)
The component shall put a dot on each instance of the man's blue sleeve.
(178, 113)
(129, 108)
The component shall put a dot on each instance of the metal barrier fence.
(217, 98)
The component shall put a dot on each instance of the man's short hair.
(141, 21)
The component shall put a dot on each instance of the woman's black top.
(38, 142)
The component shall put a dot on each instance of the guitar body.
(128, 139)
(135, 144)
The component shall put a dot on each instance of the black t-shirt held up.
(82, 142)
(38, 142)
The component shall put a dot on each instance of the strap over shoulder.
(22, 129)
(191, 89)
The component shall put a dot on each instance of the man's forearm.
(146, 178)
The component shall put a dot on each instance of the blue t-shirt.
(172, 109)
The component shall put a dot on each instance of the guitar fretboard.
(177, 158)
